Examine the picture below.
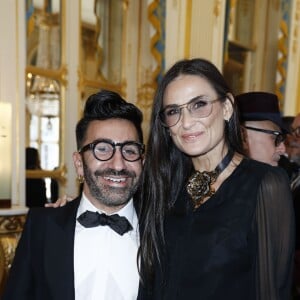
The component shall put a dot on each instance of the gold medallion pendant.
(200, 184)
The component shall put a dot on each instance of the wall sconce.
(5, 152)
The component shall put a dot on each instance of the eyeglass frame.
(277, 134)
(92, 146)
(161, 112)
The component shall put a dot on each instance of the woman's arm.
(276, 237)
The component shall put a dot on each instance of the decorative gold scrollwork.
(10, 232)
(58, 174)
(11, 224)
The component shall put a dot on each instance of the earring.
(80, 179)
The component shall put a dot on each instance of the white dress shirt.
(105, 263)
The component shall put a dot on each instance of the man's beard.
(108, 195)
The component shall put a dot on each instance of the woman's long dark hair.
(166, 168)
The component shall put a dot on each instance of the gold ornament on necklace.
(200, 184)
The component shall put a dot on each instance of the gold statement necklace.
(200, 183)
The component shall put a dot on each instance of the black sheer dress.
(238, 245)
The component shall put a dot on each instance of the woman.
(215, 224)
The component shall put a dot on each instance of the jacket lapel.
(59, 251)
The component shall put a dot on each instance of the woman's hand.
(62, 201)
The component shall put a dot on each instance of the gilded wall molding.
(46, 58)
(290, 87)
(59, 75)
(151, 58)
(11, 227)
(156, 37)
(217, 8)
(207, 19)
(58, 174)
(283, 42)
(296, 51)
(94, 71)
(281, 62)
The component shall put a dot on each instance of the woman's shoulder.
(254, 173)
(271, 179)
(255, 166)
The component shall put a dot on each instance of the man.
(61, 254)
(294, 156)
(262, 123)
(294, 150)
(285, 162)
(294, 140)
(263, 130)
(287, 121)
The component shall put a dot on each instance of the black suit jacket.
(43, 266)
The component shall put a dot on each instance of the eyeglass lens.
(130, 151)
(198, 108)
(280, 138)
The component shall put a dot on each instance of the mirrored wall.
(45, 85)
(102, 47)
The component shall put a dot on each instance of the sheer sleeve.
(276, 237)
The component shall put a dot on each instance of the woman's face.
(196, 136)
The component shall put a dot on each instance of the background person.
(257, 108)
(291, 167)
(263, 131)
(294, 142)
(63, 253)
(294, 156)
(35, 187)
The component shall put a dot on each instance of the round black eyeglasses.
(279, 136)
(104, 150)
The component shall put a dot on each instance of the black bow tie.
(117, 223)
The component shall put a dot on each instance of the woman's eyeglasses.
(198, 107)
(279, 136)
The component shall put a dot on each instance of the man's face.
(260, 145)
(294, 142)
(110, 184)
